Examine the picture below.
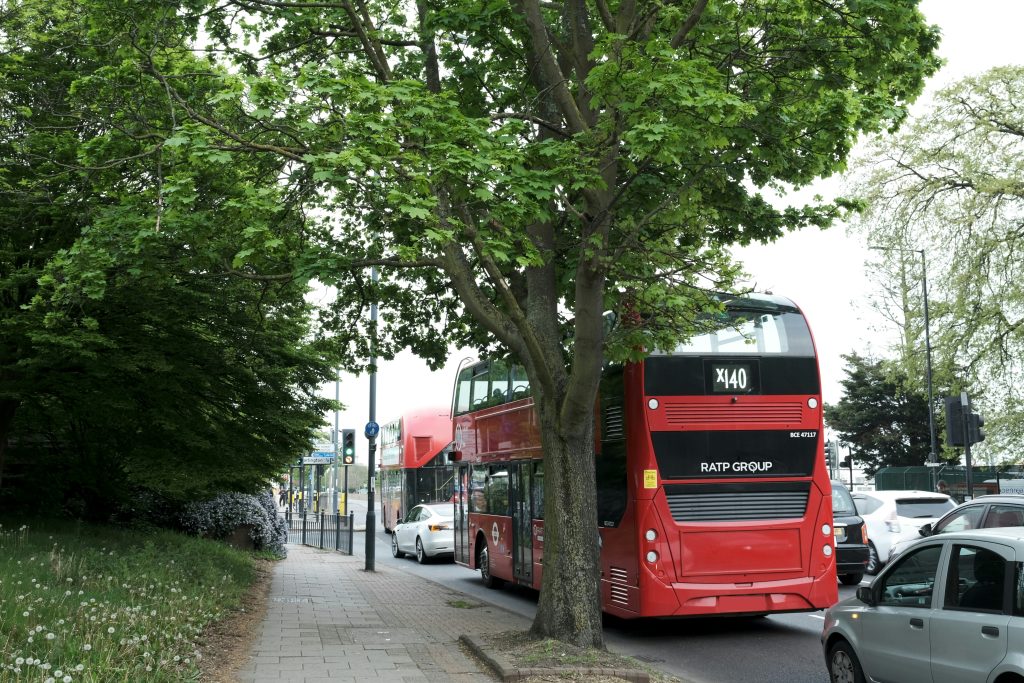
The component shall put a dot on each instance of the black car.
(851, 536)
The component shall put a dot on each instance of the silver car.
(950, 609)
(428, 531)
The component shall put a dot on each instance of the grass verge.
(97, 604)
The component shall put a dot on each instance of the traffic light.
(846, 462)
(954, 421)
(975, 433)
(348, 446)
(832, 453)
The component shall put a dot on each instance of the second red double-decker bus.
(712, 488)
(414, 465)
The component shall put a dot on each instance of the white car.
(428, 531)
(895, 515)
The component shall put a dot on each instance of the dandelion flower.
(87, 647)
(110, 629)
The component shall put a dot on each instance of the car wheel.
(874, 562)
(421, 556)
(850, 579)
(843, 665)
(484, 563)
(394, 546)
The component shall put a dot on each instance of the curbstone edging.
(506, 672)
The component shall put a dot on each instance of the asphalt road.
(776, 649)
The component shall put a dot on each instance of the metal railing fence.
(328, 532)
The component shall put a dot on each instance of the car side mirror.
(926, 530)
(865, 595)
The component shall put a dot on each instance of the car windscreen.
(842, 502)
(924, 507)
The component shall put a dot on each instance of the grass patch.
(98, 604)
(463, 604)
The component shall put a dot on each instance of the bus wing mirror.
(454, 456)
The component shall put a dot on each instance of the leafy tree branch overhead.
(525, 167)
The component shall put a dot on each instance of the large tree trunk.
(570, 607)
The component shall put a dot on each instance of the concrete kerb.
(507, 672)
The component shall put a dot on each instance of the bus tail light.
(827, 550)
(652, 557)
(826, 530)
(651, 535)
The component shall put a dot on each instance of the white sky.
(822, 271)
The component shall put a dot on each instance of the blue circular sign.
(372, 430)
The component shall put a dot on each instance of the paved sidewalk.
(327, 618)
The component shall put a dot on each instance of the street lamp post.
(933, 456)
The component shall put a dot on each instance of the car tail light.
(864, 533)
(439, 527)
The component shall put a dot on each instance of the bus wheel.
(394, 546)
(484, 562)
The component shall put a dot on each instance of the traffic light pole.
(965, 413)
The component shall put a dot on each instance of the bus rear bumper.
(679, 599)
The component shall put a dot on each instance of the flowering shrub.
(220, 516)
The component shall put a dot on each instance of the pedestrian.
(283, 498)
(942, 487)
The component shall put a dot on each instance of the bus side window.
(538, 490)
(499, 383)
(481, 386)
(520, 383)
(497, 491)
(462, 391)
(477, 490)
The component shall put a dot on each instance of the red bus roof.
(416, 437)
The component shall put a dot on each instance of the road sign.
(319, 458)
(372, 430)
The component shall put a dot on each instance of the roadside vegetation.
(88, 603)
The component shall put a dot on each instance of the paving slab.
(329, 619)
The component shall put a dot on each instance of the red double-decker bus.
(414, 466)
(712, 489)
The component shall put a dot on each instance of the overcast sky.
(822, 271)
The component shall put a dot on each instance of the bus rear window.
(741, 332)
(924, 507)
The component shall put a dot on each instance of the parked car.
(984, 512)
(950, 608)
(851, 536)
(890, 515)
(428, 531)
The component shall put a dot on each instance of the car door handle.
(916, 623)
(990, 631)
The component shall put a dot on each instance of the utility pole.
(371, 434)
(933, 455)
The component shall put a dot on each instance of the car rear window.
(924, 507)
(842, 502)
